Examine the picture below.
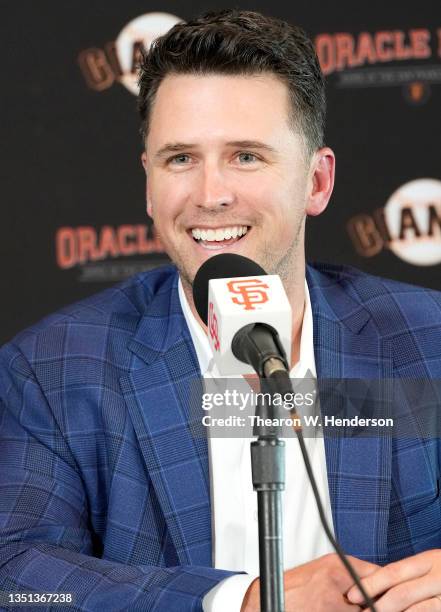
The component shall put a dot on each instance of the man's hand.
(411, 584)
(319, 585)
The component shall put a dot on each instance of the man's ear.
(144, 161)
(148, 202)
(322, 176)
(149, 208)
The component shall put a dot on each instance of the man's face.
(226, 173)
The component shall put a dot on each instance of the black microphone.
(257, 344)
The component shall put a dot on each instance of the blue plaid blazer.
(104, 492)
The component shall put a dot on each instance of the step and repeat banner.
(73, 204)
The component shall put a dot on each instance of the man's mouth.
(220, 237)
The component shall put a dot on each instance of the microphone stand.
(268, 471)
(258, 344)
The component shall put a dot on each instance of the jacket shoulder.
(117, 308)
(394, 306)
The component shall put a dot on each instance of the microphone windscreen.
(225, 265)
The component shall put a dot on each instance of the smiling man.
(230, 170)
(105, 494)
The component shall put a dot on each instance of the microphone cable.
(283, 380)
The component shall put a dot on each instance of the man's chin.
(188, 273)
(189, 268)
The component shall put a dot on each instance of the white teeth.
(220, 234)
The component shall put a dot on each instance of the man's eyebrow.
(177, 147)
(173, 147)
(252, 144)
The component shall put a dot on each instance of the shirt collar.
(198, 336)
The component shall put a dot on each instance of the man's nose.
(213, 192)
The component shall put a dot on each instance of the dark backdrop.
(73, 188)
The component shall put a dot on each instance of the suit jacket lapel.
(359, 469)
(159, 392)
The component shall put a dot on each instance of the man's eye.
(246, 158)
(179, 159)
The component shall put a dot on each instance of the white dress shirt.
(233, 500)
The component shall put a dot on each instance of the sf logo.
(213, 327)
(251, 292)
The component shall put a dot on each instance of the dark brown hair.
(236, 42)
